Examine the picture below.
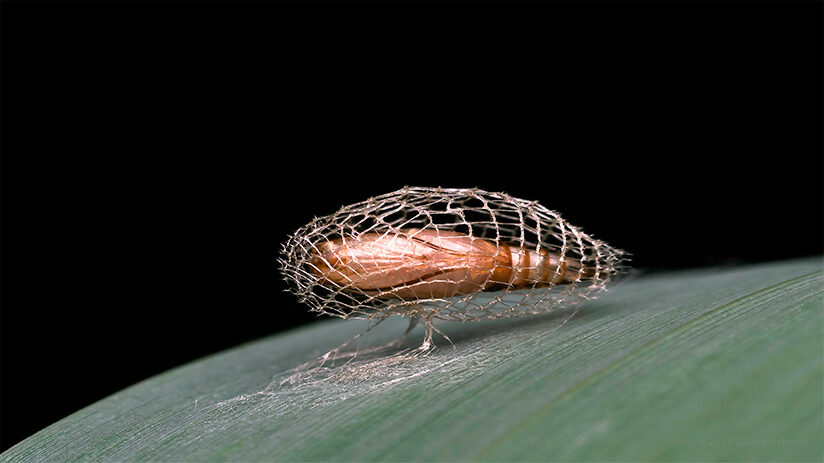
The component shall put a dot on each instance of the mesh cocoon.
(506, 225)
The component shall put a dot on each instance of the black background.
(155, 155)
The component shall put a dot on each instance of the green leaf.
(705, 365)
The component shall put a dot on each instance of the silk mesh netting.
(450, 254)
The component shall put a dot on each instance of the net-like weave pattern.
(452, 254)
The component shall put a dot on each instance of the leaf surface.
(705, 365)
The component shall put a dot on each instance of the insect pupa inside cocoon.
(415, 263)
(431, 253)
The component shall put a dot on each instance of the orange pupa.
(450, 254)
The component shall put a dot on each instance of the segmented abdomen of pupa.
(453, 254)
